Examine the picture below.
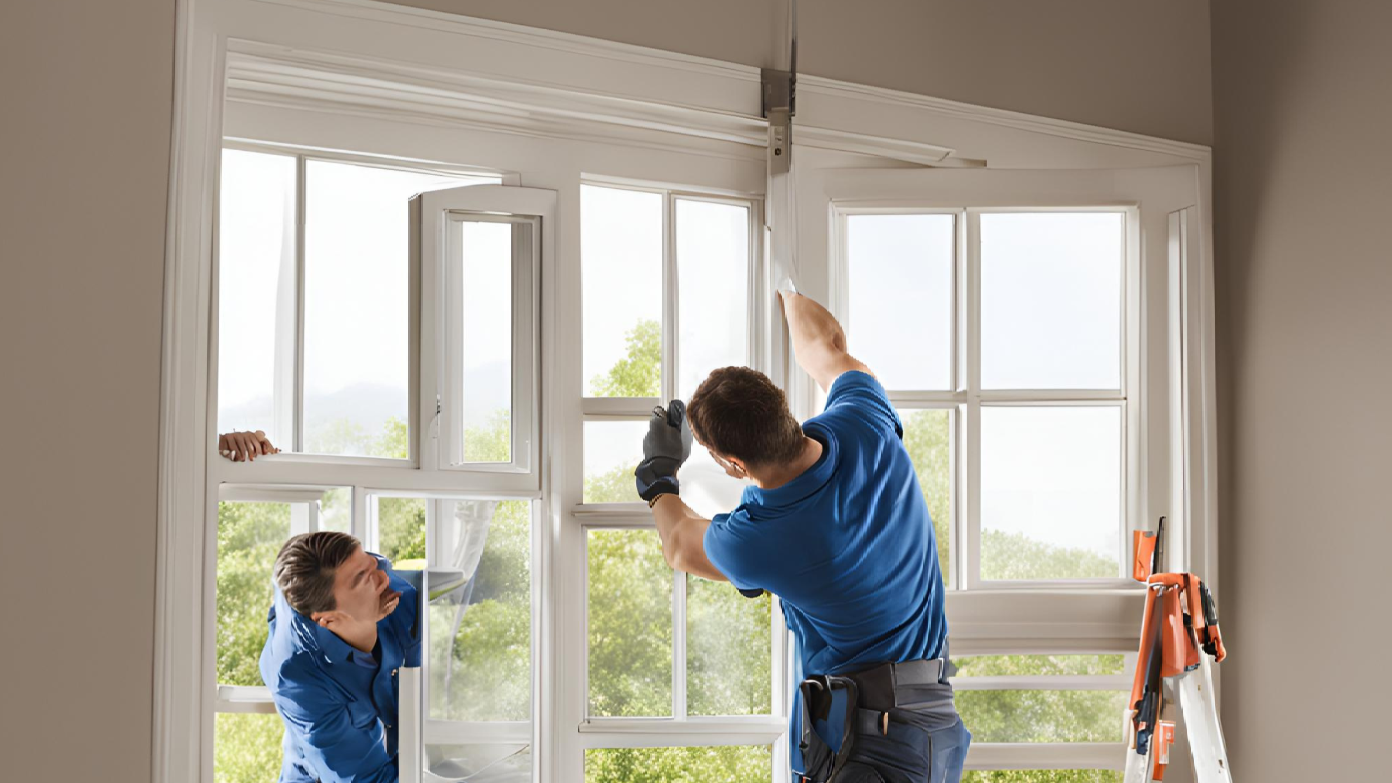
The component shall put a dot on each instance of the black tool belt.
(874, 698)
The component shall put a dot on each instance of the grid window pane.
(630, 624)
(1051, 490)
(1042, 776)
(621, 256)
(928, 439)
(401, 531)
(485, 359)
(1042, 715)
(336, 510)
(246, 747)
(1053, 665)
(728, 652)
(901, 297)
(727, 764)
(613, 450)
(713, 264)
(481, 612)
(1051, 293)
(249, 537)
(256, 287)
(706, 487)
(356, 316)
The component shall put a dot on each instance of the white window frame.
(679, 729)
(290, 411)
(409, 84)
(1033, 616)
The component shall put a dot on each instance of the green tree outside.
(630, 631)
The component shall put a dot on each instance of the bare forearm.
(811, 326)
(682, 532)
(819, 344)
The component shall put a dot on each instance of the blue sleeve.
(732, 553)
(336, 749)
(859, 394)
(407, 618)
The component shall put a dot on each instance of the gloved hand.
(665, 448)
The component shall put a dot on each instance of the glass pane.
(486, 340)
(246, 747)
(728, 650)
(497, 763)
(1018, 665)
(630, 617)
(621, 255)
(400, 532)
(727, 764)
(356, 308)
(481, 612)
(901, 297)
(249, 538)
(1042, 715)
(256, 290)
(928, 439)
(1051, 300)
(713, 266)
(706, 487)
(1051, 484)
(336, 510)
(1043, 776)
(612, 450)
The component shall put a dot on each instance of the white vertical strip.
(285, 372)
(678, 645)
(671, 299)
(300, 183)
(971, 569)
(357, 523)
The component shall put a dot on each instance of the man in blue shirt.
(834, 525)
(342, 625)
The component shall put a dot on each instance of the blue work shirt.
(848, 546)
(339, 704)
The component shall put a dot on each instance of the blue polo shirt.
(339, 705)
(847, 546)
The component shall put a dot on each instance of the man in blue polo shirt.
(342, 625)
(834, 525)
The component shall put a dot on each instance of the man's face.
(359, 585)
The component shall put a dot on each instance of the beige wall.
(1304, 190)
(86, 90)
(1138, 65)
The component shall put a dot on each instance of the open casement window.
(1026, 324)
(478, 680)
(316, 304)
(480, 368)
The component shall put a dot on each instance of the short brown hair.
(305, 568)
(738, 412)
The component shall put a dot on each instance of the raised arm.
(819, 344)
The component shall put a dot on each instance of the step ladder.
(1179, 643)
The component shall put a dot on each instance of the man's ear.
(327, 619)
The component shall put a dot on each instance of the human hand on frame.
(245, 446)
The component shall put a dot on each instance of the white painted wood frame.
(549, 110)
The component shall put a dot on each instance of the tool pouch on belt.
(820, 763)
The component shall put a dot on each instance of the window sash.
(289, 413)
(967, 397)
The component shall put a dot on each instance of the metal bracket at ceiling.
(779, 107)
(780, 91)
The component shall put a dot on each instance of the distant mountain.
(369, 405)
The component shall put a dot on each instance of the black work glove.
(665, 448)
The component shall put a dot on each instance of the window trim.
(713, 107)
